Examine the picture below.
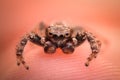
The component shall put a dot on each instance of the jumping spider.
(58, 35)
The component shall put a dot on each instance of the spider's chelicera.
(58, 35)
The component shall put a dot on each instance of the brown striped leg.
(20, 47)
(95, 47)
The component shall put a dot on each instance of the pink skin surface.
(102, 18)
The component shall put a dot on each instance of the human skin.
(99, 17)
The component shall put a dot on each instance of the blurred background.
(101, 17)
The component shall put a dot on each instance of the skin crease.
(99, 17)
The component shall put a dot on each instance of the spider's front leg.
(80, 35)
(32, 37)
(95, 46)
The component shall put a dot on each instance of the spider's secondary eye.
(50, 33)
(67, 35)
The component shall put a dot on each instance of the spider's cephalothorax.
(58, 35)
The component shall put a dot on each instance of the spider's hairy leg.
(37, 36)
(78, 35)
(95, 45)
(34, 38)
(19, 51)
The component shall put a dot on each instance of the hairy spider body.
(58, 35)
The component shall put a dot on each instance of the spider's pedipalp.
(68, 48)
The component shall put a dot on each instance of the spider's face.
(58, 31)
